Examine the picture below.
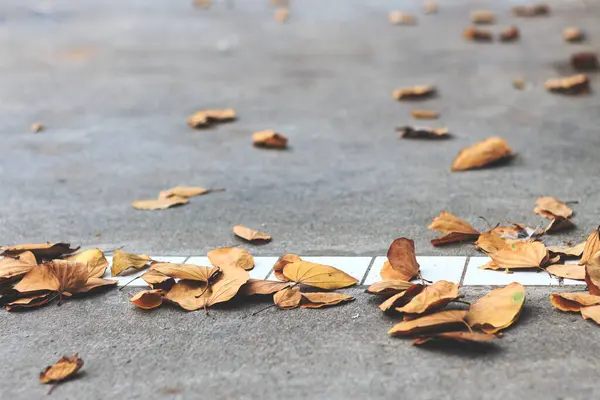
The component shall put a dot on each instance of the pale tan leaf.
(282, 262)
(159, 204)
(498, 309)
(490, 242)
(288, 298)
(42, 251)
(401, 18)
(319, 300)
(412, 92)
(183, 192)
(402, 263)
(17, 266)
(424, 114)
(440, 321)
(122, 261)
(592, 246)
(592, 313)
(94, 260)
(37, 127)
(489, 151)
(64, 369)
(572, 34)
(231, 257)
(251, 235)
(482, 16)
(568, 251)
(185, 271)
(568, 271)
(510, 34)
(521, 255)
(551, 207)
(456, 229)
(208, 118)
(269, 139)
(432, 297)
(592, 274)
(388, 287)
(318, 275)
(259, 286)
(573, 302)
(148, 299)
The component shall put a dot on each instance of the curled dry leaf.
(440, 321)
(157, 280)
(509, 34)
(282, 14)
(401, 18)
(409, 132)
(401, 298)
(231, 257)
(558, 225)
(95, 283)
(64, 369)
(185, 192)
(498, 309)
(592, 246)
(569, 251)
(28, 302)
(148, 299)
(521, 255)
(489, 151)
(389, 287)
(159, 204)
(413, 92)
(573, 35)
(432, 297)
(288, 298)
(531, 10)
(458, 336)
(425, 114)
(585, 61)
(318, 275)
(567, 271)
(17, 266)
(402, 263)
(551, 208)
(430, 7)
(482, 17)
(282, 262)
(43, 251)
(592, 274)
(122, 261)
(57, 276)
(94, 260)
(208, 118)
(477, 34)
(575, 84)
(258, 286)
(37, 127)
(319, 300)
(573, 302)
(454, 228)
(269, 139)
(251, 235)
(592, 313)
(490, 242)
(189, 272)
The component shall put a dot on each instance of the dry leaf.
(319, 300)
(401, 18)
(558, 225)
(37, 127)
(401, 298)
(43, 251)
(572, 34)
(521, 255)
(208, 118)
(258, 286)
(28, 302)
(189, 272)
(412, 92)
(568, 271)
(402, 263)
(551, 208)
(282, 262)
(148, 299)
(498, 309)
(477, 34)
(424, 114)
(57, 276)
(592, 313)
(592, 274)
(269, 139)
(572, 251)
(231, 257)
(481, 154)
(122, 261)
(573, 302)
(157, 280)
(432, 297)
(94, 260)
(443, 320)
(509, 34)
(94, 283)
(482, 17)
(159, 204)
(389, 287)
(288, 298)
(490, 242)
(430, 7)
(409, 132)
(459, 336)
(251, 235)
(575, 84)
(17, 266)
(185, 192)
(532, 10)
(282, 14)
(519, 83)
(585, 61)
(202, 3)
(592, 246)
(64, 369)
(318, 275)
(455, 229)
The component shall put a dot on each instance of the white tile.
(478, 276)
(262, 265)
(353, 266)
(569, 281)
(122, 280)
(432, 268)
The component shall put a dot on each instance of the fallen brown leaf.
(569, 251)
(424, 114)
(189, 272)
(409, 132)
(592, 313)
(95, 283)
(454, 228)
(519, 83)
(481, 154)
(94, 260)
(443, 320)
(282, 262)
(412, 92)
(319, 300)
(208, 118)
(432, 297)
(459, 336)
(558, 225)
(401, 298)
(186, 192)
(573, 35)
(269, 139)
(401, 18)
(17, 266)
(389, 287)
(551, 208)
(531, 10)
(122, 261)
(573, 302)
(585, 61)
(592, 274)
(575, 84)
(509, 34)
(29, 302)
(490, 242)
(592, 246)
(258, 286)
(148, 299)
(521, 255)
(43, 251)
(498, 309)
(231, 257)
(157, 280)
(477, 34)
(64, 369)
(402, 263)
(568, 271)
(482, 17)
(57, 276)
(288, 298)
(282, 14)
(251, 235)
(37, 127)
(159, 204)
(318, 275)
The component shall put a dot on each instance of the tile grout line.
(464, 272)
(362, 281)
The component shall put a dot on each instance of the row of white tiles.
(463, 270)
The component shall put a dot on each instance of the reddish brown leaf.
(431, 298)
(409, 132)
(592, 274)
(148, 299)
(401, 298)
(455, 229)
(44, 251)
(402, 263)
(269, 139)
(413, 92)
(388, 287)
(592, 246)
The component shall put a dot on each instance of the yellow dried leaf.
(259, 286)
(572, 251)
(282, 262)
(148, 299)
(318, 275)
(592, 313)
(443, 320)
(389, 287)
(592, 246)
(401, 298)
(521, 255)
(402, 263)
(17, 266)
(159, 204)
(122, 261)
(573, 301)
(64, 369)
(498, 309)
(288, 298)
(183, 191)
(509, 34)
(282, 14)
(37, 127)
(42, 251)
(477, 34)
(459, 336)
(424, 114)
(592, 274)
(490, 242)
(208, 118)
(572, 34)
(94, 260)
(551, 207)
(408, 132)
(481, 154)
(269, 139)
(412, 92)
(570, 85)
(319, 300)
(186, 271)
(569, 271)
(455, 229)
(231, 257)
(401, 18)
(432, 297)
(251, 235)
(531, 10)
